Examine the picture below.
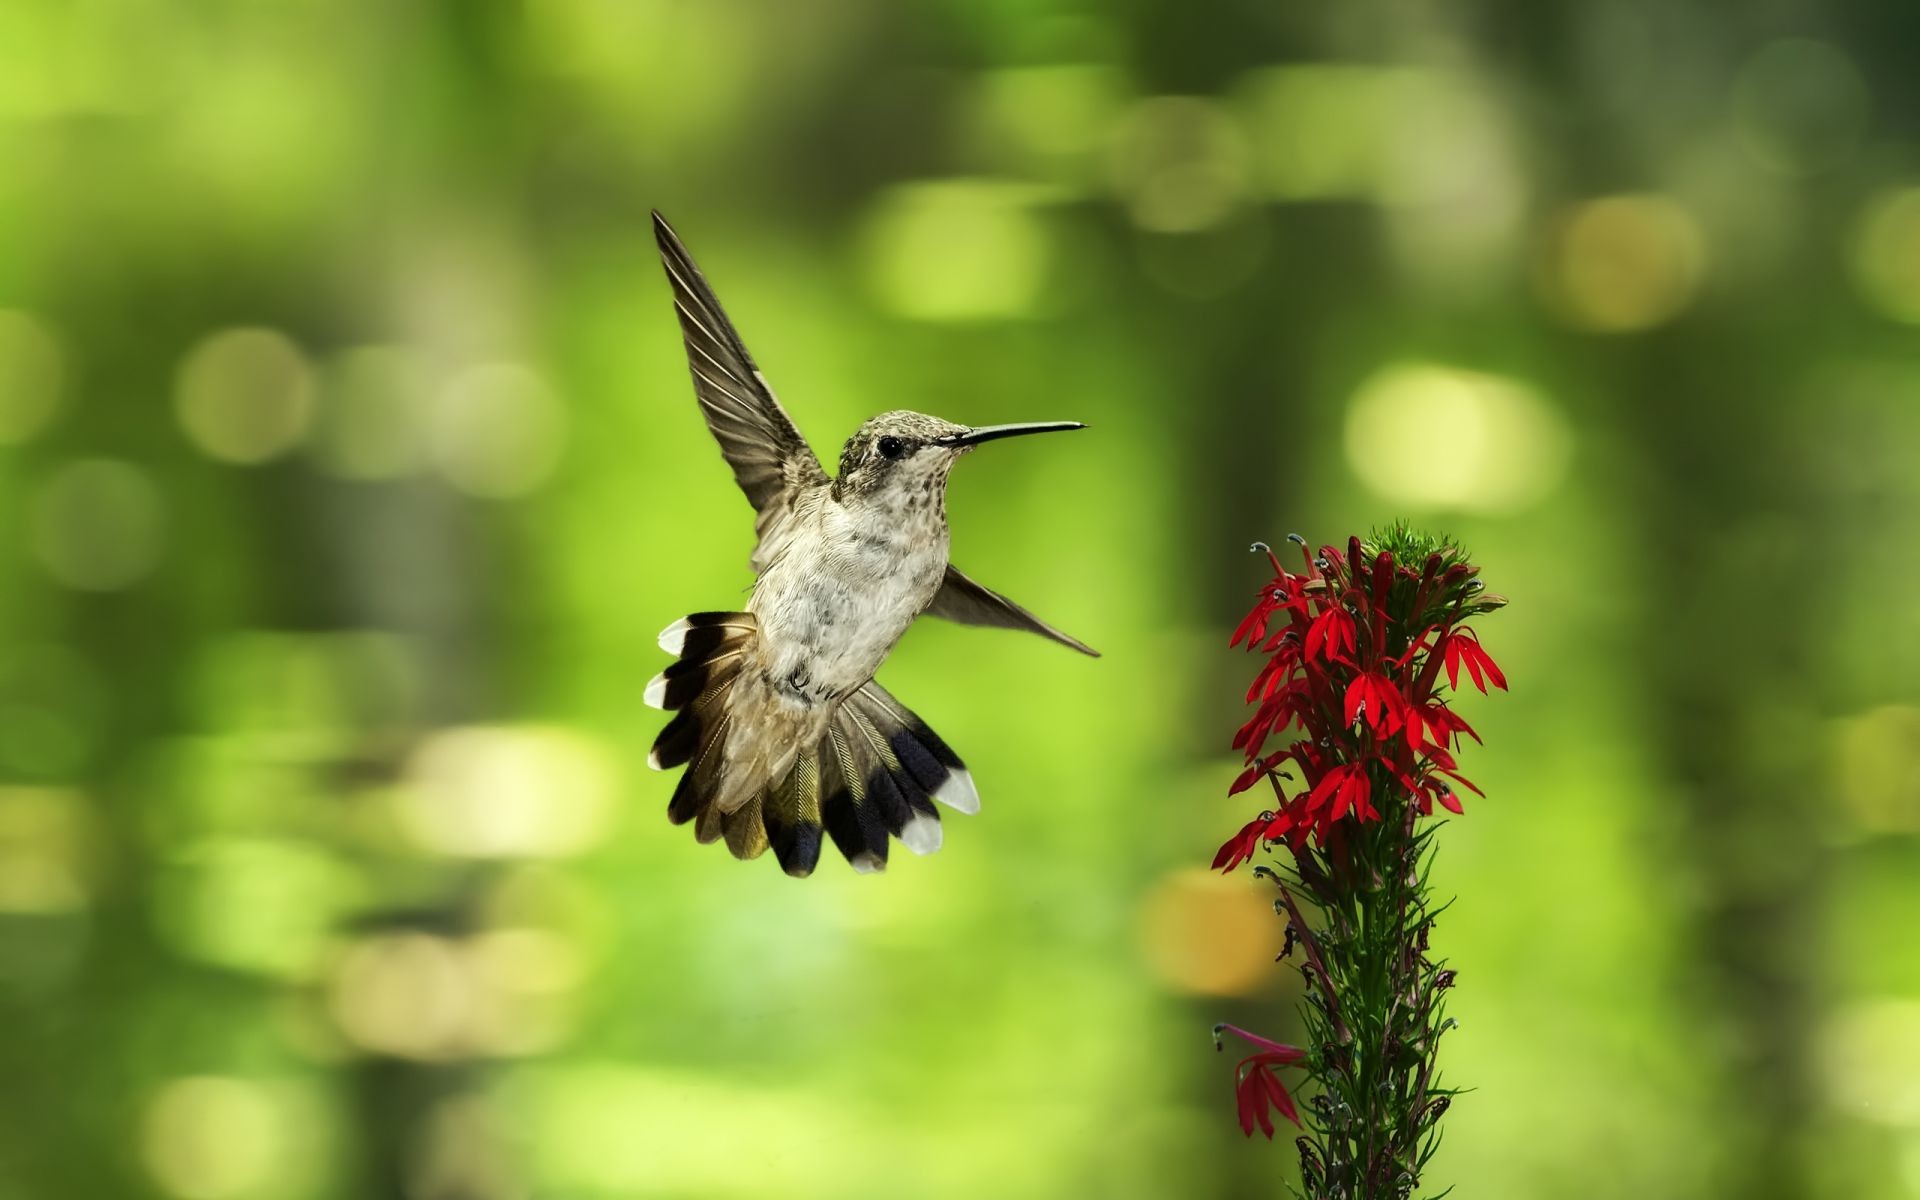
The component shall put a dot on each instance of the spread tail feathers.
(872, 776)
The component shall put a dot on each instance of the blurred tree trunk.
(1731, 691)
(1727, 538)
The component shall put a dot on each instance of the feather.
(770, 459)
(923, 753)
(791, 813)
(855, 825)
(746, 833)
(962, 600)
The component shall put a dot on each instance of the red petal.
(1354, 794)
(1324, 790)
(1493, 672)
(1317, 634)
(1472, 656)
(1279, 1050)
(1246, 626)
(1277, 1093)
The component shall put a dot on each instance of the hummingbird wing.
(961, 599)
(770, 460)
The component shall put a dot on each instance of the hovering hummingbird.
(777, 717)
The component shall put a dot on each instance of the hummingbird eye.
(891, 447)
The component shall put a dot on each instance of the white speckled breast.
(833, 608)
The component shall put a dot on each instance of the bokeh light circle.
(507, 791)
(1620, 264)
(98, 525)
(955, 250)
(245, 395)
(497, 431)
(212, 1137)
(1886, 254)
(32, 369)
(1434, 437)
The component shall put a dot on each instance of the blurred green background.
(349, 465)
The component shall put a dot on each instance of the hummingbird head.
(908, 453)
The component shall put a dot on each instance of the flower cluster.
(1355, 647)
(1364, 648)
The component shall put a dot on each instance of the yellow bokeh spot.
(32, 369)
(98, 525)
(1877, 761)
(1180, 164)
(1436, 437)
(1870, 1053)
(956, 250)
(1625, 263)
(44, 840)
(210, 1138)
(418, 995)
(1210, 934)
(497, 431)
(1886, 254)
(527, 960)
(507, 791)
(409, 995)
(245, 395)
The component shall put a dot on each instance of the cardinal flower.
(1240, 847)
(1464, 649)
(1256, 1088)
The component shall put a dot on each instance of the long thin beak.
(988, 433)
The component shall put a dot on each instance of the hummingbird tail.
(711, 647)
(873, 776)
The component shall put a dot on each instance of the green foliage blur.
(349, 466)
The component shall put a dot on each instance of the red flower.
(1463, 647)
(1354, 645)
(1256, 1087)
(1375, 697)
(1348, 788)
(1283, 592)
(1239, 848)
(1330, 631)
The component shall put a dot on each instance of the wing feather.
(961, 599)
(770, 459)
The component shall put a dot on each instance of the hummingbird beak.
(988, 433)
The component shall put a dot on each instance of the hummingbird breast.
(849, 581)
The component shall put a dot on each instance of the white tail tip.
(865, 863)
(653, 760)
(922, 834)
(674, 637)
(656, 695)
(958, 792)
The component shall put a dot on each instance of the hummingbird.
(783, 731)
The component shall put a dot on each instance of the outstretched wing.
(770, 460)
(961, 599)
